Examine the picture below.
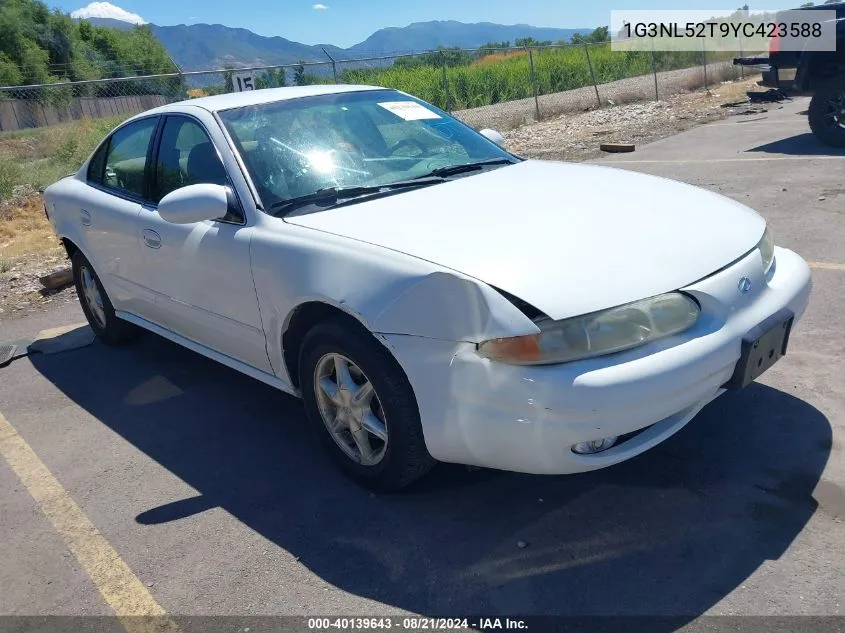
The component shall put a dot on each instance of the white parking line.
(761, 122)
(723, 160)
(826, 266)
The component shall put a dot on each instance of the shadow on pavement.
(805, 144)
(669, 533)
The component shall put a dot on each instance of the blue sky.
(347, 22)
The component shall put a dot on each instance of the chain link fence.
(489, 87)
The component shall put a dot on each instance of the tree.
(600, 34)
(451, 56)
(302, 78)
(807, 5)
(10, 74)
(526, 42)
(48, 46)
(488, 48)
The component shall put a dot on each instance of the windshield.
(299, 147)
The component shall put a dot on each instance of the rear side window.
(126, 158)
(98, 164)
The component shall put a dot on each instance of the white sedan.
(429, 295)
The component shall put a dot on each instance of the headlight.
(598, 333)
(767, 250)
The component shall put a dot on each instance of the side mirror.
(195, 203)
(493, 135)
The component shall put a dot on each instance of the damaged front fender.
(449, 307)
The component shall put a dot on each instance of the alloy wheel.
(92, 296)
(350, 409)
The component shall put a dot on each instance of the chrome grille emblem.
(744, 285)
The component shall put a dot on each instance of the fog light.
(594, 446)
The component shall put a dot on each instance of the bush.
(11, 175)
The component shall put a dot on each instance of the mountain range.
(209, 46)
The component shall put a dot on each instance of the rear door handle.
(152, 239)
(84, 217)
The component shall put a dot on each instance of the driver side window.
(186, 156)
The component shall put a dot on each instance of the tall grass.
(505, 77)
(38, 157)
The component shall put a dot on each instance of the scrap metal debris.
(771, 95)
(617, 148)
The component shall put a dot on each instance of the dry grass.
(25, 231)
(493, 58)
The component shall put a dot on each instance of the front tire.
(827, 113)
(96, 305)
(362, 406)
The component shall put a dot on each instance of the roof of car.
(268, 95)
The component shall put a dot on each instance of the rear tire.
(96, 305)
(387, 424)
(827, 113)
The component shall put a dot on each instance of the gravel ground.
(21, 294)
(577, 137)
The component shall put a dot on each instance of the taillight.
(774, 42)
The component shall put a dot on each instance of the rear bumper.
(526, 419)
(772, 76)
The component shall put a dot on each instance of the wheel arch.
(70, 247)
(305, 316)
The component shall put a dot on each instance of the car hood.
(567, 238)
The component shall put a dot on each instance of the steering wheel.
(410, 142)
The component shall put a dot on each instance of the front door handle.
(152, 239)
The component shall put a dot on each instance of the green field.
(508, 77)
(39, 157)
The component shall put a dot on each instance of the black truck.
(817, 73)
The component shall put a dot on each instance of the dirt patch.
(577, 137)
(28, 250)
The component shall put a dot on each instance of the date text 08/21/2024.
(416, 623)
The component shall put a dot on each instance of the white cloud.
(107, 10)
(319, 7)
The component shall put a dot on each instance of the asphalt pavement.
(205, 487)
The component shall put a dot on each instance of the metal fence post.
(446, 83)
(654, 71)
(334, 67)
(741, 54)
(592, 73)
(534, 84)
(704, 58)
(182, 88)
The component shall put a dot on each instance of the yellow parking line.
(826, 266)
(119, 586)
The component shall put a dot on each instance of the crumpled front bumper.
(526, 419)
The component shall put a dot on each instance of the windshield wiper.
(331, 196)
(453, 170)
